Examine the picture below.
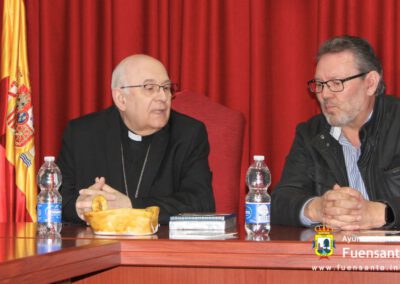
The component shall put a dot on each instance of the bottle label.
(258, 213)
(49, 212)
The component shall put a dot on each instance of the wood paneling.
(287, 257)
(70, 260)
(179, 275)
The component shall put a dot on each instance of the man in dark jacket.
(137, 153)
(343, 169)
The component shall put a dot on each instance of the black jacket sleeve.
(69, 190)
(194, 192)
(295, 186)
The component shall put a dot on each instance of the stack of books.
(202, 226)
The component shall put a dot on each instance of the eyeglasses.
(151, 88)
(335, 85)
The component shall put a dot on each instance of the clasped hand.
(346, 209)
(115, 199)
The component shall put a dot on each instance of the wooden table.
(287, 257)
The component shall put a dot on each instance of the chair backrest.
(225, 129)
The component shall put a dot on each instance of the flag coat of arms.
(323, 242)
(18, 189)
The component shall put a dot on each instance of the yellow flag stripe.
(20, 148)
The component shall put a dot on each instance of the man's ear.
(372, 80)
(119, 98)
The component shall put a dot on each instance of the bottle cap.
(258, 158)
(49, 158)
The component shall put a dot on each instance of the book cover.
(202, 234)
(202, 221)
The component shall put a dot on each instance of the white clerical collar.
(134, 136)
(336, 131)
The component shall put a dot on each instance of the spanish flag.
(18, 189)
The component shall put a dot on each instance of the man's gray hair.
(117, 77)
(363, 52)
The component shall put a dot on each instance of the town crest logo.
(323, 243)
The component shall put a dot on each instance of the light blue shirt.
(351, 156)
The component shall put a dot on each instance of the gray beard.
(340, 121)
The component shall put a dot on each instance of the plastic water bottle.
(49, 199)
(258, 201)
(48, 243)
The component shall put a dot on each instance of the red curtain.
(254, 56)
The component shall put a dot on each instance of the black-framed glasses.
(334, 85)
(152, 88)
